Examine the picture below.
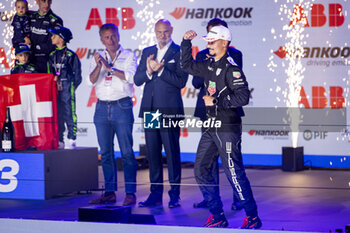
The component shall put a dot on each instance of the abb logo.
(184, 132)
(3, 58)
(318, 17)
(320, 100)
(127, 18)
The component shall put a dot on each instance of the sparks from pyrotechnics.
(7, 33)
(149, 16)
(294, 68)
(293, 48)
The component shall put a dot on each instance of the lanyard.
(112, 62)
(58, 72)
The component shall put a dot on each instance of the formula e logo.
(178, 12)
(151, 120)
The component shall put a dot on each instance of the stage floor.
(309, 200)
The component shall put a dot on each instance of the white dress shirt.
(161, 51)
(125, 61)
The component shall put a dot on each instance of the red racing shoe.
(251, 223)
(216, 222)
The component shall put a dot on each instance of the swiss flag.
(33, 108)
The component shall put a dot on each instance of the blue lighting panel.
(22, 176)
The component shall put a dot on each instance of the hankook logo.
(254, 132)
(81, 52)
(209, 13)
(317, 52)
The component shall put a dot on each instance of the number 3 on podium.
(8, 175)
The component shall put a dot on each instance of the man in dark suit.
(160, 71)
(198, 83)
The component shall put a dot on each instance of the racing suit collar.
(219, 60)
(65, 46)
(48, 13)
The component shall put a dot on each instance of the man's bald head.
(163, 30)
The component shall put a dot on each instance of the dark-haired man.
(40, 23)
(226, 89)
(198, 83)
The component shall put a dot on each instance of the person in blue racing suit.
(22, 65)
(66, 67)
(40, 23)
(20, 23)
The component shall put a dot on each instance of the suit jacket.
(198, 82)
(162, 92)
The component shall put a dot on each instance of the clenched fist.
(190, 35)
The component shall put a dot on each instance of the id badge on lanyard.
(58, 68)
(108, 80)
(59, 85)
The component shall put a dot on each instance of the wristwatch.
(109, 73)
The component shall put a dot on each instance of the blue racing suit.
(41, 38)
(21, 29)
(23, 68)
(68, 67)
